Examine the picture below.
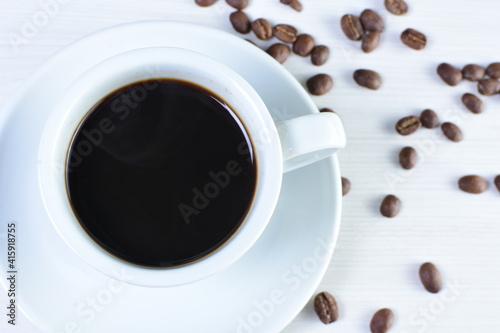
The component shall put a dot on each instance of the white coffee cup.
(279, 148)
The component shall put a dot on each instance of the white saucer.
(262, 292)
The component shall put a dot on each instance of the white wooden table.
(376, 261)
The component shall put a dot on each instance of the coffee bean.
(204, 3)
(295, 4)
(449, 74)
(262, 29)
(382, 321)
(473, 72)
(303, 45)
(370, 41)
(238, 4)
(408, 125)
(371, 21)
(320, 84)
(473, 103)
(429, 119)
(472, 184)
(352, 27)
(326, 110)
(493, 70)
(414, 39)
(326, 308)
(488, 87)
(452, 132)
(497, 182)
(285, 33)
(320, 55)
(430, 277)
(390, 206)
(368, 78)
(279, 51)
(397, 7)
(240, 22)
(346, 185)
(408, 158)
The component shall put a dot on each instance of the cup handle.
(310, 138)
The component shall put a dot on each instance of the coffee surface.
(161, 173)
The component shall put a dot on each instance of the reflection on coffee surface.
(161, 173)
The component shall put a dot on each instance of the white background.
(377, 259)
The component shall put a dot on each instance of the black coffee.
(161, 173)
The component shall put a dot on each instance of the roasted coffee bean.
(279, 51)
(473, 72)
(408, 158)
(352, 27)
(295, 4)
(204, 3)
(240, 22)
(452, 132)
(390, 206)
(408, 125)
(319, 84)
(382, 321)
(371, 21)
(449, 74)
(285, 33)
(472, 184)
(430, 277)
(303, 45)
(497, 182)
(473, 103)
(320, 55)
(414, 39)
(368, 78)
(397, 7)
(370, 41)
(346, 185)
(488, 87)
(429, 119)
(326, 308)
(262, 29)
(493, 70)
(326, 110)
(238, 4)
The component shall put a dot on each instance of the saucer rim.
(332, 161)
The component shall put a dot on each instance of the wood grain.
(376, 261)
